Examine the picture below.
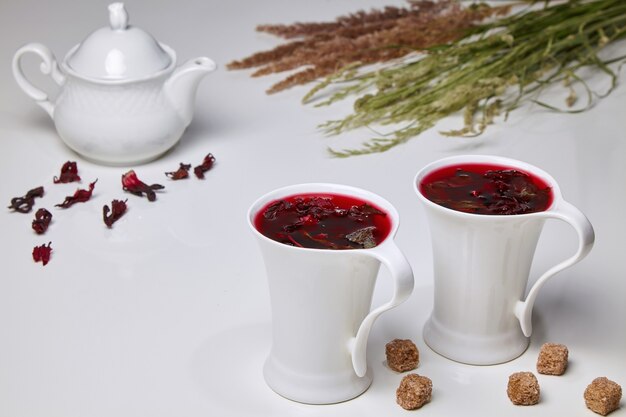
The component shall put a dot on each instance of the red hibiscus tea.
(486, 189)
(323, 221)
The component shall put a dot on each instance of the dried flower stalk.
(317, 50)
(490, 72)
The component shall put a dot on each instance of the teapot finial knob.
(118, 17)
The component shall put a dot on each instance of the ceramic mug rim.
(491, 159)
(330, 188)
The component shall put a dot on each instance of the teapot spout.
(182, 85)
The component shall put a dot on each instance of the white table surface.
(168, 314)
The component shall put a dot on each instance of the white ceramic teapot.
(122, 99)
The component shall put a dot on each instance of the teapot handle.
(402, 275)
(49, 66)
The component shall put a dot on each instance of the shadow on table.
(228, 369)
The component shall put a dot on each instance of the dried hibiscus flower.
(25, 204)
(80, 196)
(360, 213)
(117, 210)
(42, 253)
(42, 221)
(133, 185)
(206, 165)
(181, 173)
(69, 173)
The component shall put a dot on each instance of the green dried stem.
(490, 72)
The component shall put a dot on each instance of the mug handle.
(389, 254)
(586, 236)
(49, 66)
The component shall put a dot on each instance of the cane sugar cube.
(402, 355)
(523, 388)
(414, 391)
(552, 359)
(602, 396)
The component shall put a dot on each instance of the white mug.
(321, 300)
(481, 268)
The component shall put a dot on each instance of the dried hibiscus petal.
(180, 173)
(359, 213)
(206, 165)
(80, 196)
(42, 221)
(272, 211)
(25, 204)
(133, 185)
(69, 173)
(42, 253)
(317, 207)
(117, 210)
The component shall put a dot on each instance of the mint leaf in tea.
(486, 189)
(323, 221)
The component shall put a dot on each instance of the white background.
(167, 314)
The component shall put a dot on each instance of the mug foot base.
(474, 349)
(315, 389)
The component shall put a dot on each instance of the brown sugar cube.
(414, 391)
(552, 359)
(602, 396)
(402, 355)
(523, 388)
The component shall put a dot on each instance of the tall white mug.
(320, 301)
(481, 267)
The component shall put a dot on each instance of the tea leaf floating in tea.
(363, 237)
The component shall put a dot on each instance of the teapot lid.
(120, 51)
